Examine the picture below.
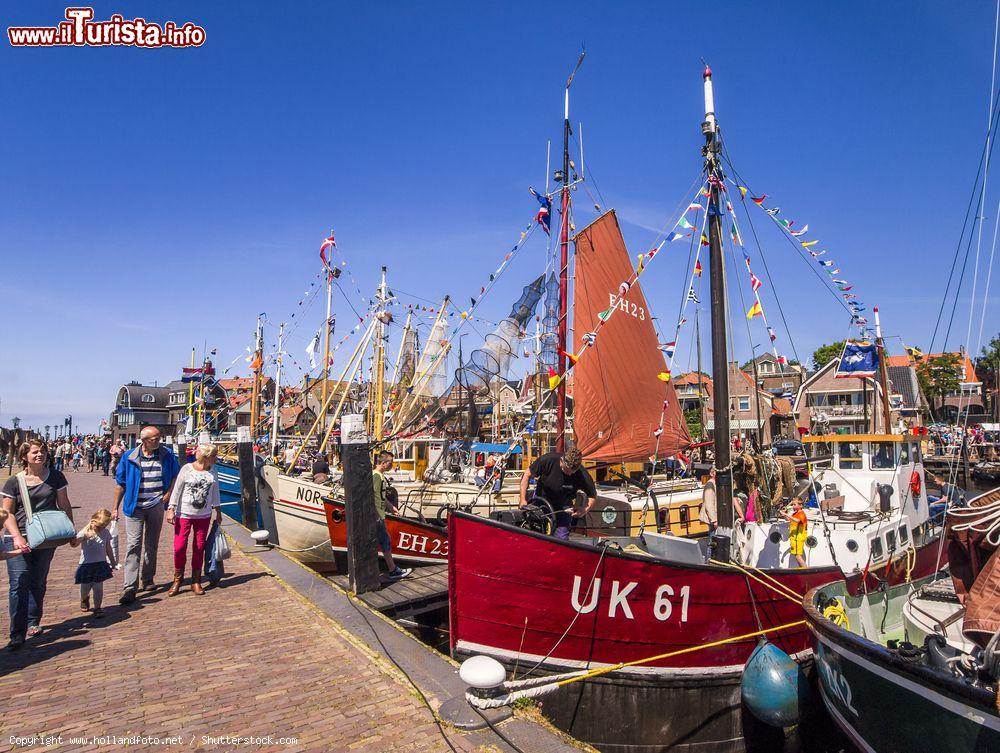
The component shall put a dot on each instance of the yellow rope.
(688, 650)
(775, 585)
(836, 613)
(911, 561)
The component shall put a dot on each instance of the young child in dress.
(96, 560)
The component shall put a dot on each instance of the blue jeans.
(59, 463)
(564, 521)
(28, 574)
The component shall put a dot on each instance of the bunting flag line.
(803, 231)
(809, 244)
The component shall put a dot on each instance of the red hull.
(514, 593)
(412, 541)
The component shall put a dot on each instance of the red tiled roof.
(969, 374)
(897, 361)
(692, 378)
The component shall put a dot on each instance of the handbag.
(221, 546)
(47, 529)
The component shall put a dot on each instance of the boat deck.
(424, 590)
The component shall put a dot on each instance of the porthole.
(852, 545)
(775, 537)
(811, 542)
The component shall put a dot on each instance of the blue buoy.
(773, 686)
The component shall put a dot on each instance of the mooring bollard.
(362, 558)
(248, 477)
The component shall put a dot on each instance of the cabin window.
(877, 548)
(890, 541)
(883, 455)
(852, 545)
(850, 456)
(905, 453)
(904, 536)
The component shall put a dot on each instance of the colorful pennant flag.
(704, 239)
(328, 244)
(685, 224)
(755, 310)
(770, 333)
(663, 376)
(759, 201)
(697, 268)
(807, 244)
(803, 231)
(554, 378)
(669, 348)
(606, 314)
(571, 357)
(672, 236)
(695, 207)
(755, 282)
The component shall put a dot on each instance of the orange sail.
(618, 396)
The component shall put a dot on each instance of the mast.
(564, 270)
(190, 405)
(720, 359)
(883, 375)
(276, 403)
(326, 344)
(258, 360)
(701, 388)
(376, 395)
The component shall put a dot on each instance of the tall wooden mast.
(720, 358)
(376, 394)
(256, 364)
(326, 344)
(564, 270)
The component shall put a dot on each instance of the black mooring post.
(362, 556)
(248, 477)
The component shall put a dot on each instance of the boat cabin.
(869, 505)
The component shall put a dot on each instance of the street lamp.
(47, 427)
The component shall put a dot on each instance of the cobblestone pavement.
(252, 659)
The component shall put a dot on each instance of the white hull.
(299, 517)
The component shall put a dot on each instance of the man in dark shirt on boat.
(559, 477)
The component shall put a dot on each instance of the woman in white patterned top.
(194, 497)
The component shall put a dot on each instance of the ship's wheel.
(539, 516)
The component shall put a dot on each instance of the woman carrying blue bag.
(46, 518)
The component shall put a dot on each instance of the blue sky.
(153, 200)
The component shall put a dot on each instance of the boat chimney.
(709, 125)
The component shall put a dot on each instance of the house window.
(147, 398)
(744, 402)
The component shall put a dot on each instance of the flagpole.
(326, 344)
(701, 390)
(190, 405)
(883, 374)
(564, 272)
(720, 357)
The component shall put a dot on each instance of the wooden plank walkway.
(424, 590)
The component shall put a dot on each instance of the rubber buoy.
(773, 686)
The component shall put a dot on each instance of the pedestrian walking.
(194, 498)
(145, 478)
(97, 557)
(91, 457)
(59, 457)
(77, 460)
(28, 569)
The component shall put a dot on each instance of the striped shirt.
(151, 489)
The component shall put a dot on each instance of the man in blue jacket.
(145, 479)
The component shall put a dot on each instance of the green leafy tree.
(826, 353)
(987, 367)
(692, 416)
(939, 376)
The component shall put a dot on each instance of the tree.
(987, 366)
(939, 376)
(826, 353)
(693, 418)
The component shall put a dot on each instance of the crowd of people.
(151, 485)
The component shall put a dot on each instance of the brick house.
(826, 404)
(138, 405)
(753, 410)
(782, 380)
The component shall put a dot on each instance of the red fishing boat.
(412, 540)
(686, 620)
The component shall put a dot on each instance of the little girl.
(95, 556)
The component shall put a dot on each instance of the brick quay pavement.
(252, 659)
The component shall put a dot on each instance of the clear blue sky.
(151, 200)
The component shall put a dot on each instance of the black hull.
(683, 713)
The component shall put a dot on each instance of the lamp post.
(47, 427)
(13, 449)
